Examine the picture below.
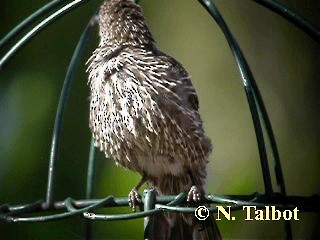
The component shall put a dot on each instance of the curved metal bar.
(247, 79)
(76, 207)
(65, 92)
(292, 17)
(37, 28)
(314, 33)
(254, 96)
(29, 20)
(271, 138)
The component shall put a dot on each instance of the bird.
(144, 115)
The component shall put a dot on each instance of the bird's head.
(122, 23)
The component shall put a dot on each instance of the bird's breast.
(124, 118)
(137, 118)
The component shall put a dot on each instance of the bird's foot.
(194, 194)
(134, 199)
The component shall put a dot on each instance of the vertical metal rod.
(149, 203)
(90, 174)
(65, 92)
(89, 189)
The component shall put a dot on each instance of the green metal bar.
(65, 92)
(78, 207)
(171, 200)
(175, 200)
(69, 205)
(90, 173)
(149, 203)
(38, 28)
(58, 216)
(29, 20)
(314, 33)
(31, 207)
(292, 17)
(117, 217)
(307, 204)
(247, 79)
(89, 189)
(177, 209)
(271, 139)
(254, 96)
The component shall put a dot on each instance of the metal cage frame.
(154, 204)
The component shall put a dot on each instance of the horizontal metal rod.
(173, 203)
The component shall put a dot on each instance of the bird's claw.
(134, 199)
(194, 195)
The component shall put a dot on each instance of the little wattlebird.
(144, 115)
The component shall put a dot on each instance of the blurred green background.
(284, 60)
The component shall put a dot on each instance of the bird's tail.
(180, 226)
(208, 231)
(177, 226)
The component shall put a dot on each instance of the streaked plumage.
(144, 108)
